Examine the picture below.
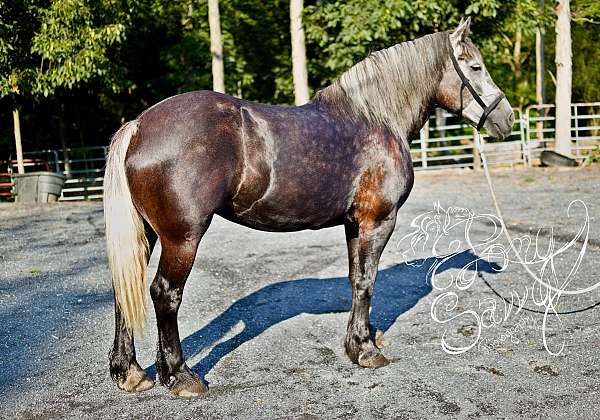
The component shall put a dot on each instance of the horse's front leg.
(366, 241)
(175, 264)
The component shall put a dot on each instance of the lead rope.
(514, 249)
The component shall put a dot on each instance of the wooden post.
(299, 71)
(17, 124)
(563, 78)
(476, 156)
(62, 130)
(216, 48)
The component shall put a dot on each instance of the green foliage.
(344, 32)
(72, 45)
(586, 56)
(100, 62)
(586, 64)
(18, 22)
(58, 45)
(586, 11)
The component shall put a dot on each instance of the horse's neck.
(394, 88)
(421, 119)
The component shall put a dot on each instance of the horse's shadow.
(397, 290)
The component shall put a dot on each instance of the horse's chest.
(381, 188)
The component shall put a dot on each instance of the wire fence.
(444, 142)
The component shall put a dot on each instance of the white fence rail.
(444, 142)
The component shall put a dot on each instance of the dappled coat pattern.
(342, 159)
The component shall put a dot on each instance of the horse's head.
(468, 90)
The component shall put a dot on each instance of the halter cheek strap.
(487, 109)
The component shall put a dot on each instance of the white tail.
(126, 242)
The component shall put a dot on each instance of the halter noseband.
(487, 109)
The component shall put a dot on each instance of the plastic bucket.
(38, 187)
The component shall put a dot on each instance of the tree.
(216, 47)
(586, 57)
(343, 32)
(72, 46)
(540, 92)
(17, 22)
(55, 47)
(298, 53)
(563, 78)
(95, 79)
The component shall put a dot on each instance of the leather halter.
(487, 109)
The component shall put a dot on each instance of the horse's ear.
(460, 33)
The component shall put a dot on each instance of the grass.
(528, 179)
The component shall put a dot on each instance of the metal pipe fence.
(539, 124)
(83, 167)
(444, 142)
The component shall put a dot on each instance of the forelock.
(469, 50)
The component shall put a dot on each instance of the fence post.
(424, 136)
(56, 164)
(522, 138)
(576, 116)
(527, 134)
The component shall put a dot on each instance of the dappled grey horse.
(342, 159)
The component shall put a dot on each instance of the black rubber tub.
(551, 158)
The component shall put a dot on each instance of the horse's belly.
(280, 223)
(291, 211)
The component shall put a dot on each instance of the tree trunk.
(517, 63)
(563, 78)
(187, 16)
(539, 81)
(17, 124)
(299, 71)
(216, 48)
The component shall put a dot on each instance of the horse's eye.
(475, 67)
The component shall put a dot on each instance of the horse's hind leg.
(176, 261)
(124, 368)
(366, 241)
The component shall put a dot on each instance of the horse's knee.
(164, 295)
(156, 289)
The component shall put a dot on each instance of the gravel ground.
(264, 314)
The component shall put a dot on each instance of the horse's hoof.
(136, 380)
(372, 360)
(188, 386)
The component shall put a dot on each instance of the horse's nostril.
(511, 119)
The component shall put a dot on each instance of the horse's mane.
(391, 87)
